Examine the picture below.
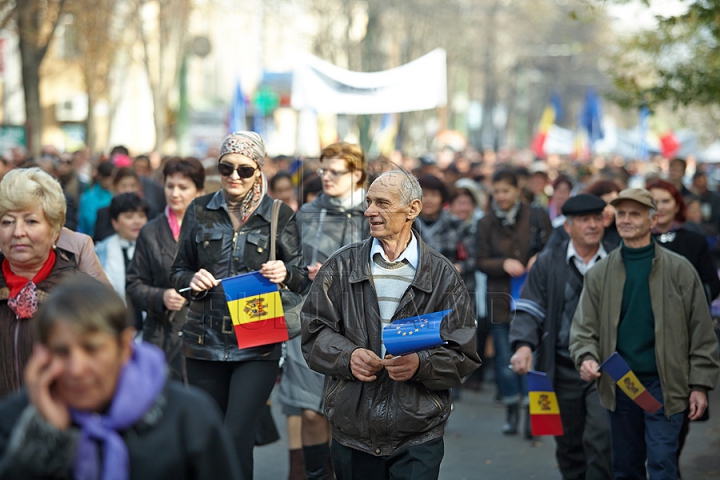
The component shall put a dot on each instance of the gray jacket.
(326, 226)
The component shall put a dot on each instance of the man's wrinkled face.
(385, 211)
(633, 220)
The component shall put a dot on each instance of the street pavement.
(475, 448)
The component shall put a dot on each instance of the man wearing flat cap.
(543, 316)
(647, 304)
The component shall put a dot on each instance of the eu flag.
(413, 334)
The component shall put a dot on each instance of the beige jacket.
(81, 246)
(686, 350)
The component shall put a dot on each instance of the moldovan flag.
(256, 310)
(619, 371)
(544, 409)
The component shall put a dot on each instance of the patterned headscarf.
(249, 144)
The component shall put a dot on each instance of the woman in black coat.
(148, 277)
(223, 235)
(671, 233)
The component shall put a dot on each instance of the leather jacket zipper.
(17, 353)
(335, 387)
(434, 399)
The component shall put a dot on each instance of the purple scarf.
(141, 381)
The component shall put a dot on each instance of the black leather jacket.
(148, 277)
(341, 314)
(207, 240)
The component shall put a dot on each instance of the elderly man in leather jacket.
(387, 413)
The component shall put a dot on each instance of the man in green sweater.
(649, 305)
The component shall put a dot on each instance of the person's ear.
(127, 342)
(566, 226)
(114, 224)
(414, 210)
(653, 221)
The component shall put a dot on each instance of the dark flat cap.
(583, 204)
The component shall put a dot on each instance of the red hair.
(662, 184)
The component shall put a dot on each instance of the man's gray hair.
(410, 188)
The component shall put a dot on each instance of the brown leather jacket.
(18, 335)
(341, 314)
(497, 243)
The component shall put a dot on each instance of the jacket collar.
(660, 253)
(423, 275)
(264, 210)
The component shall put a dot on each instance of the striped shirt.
(391, 279)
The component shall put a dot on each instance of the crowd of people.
(111, 299)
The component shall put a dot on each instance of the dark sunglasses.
(243, 171)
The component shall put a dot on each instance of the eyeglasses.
(243, 171)
(332, 173)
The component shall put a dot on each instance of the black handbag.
(292, 302)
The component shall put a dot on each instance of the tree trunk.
(90, 127)
(370, 63)
(488, 134)
(159, 117)
(31, 88)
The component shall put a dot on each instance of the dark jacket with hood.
(181, 437)
(208, 240)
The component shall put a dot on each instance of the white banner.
(325, 88)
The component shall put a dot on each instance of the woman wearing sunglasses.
(224, 234)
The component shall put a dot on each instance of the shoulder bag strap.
(273, 226)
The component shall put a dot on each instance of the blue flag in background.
(591, 116)
(557, 106)
(296, 171)
(236, 117)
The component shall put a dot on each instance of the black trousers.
(584, 451)
(241, 390)
(420, 462)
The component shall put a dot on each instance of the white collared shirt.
(579, 262)
(411, 252)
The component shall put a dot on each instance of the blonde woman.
(32, 213)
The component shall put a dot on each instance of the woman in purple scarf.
(98, 406)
